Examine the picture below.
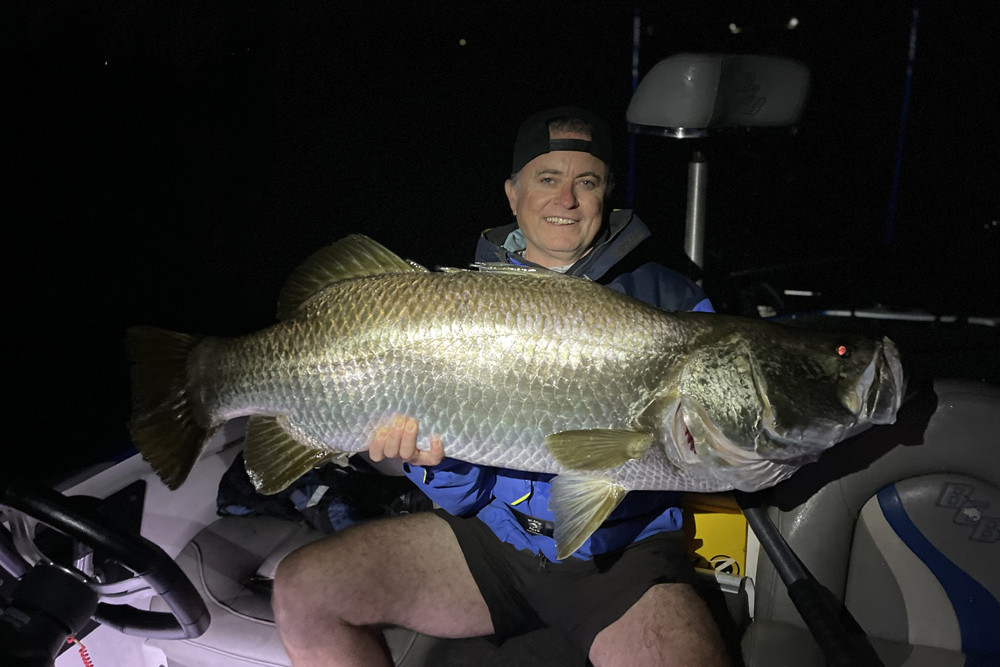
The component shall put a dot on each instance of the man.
(485, 564)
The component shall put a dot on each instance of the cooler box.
(715, 532)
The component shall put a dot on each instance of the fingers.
(376, 448)
(398, 440)
(435, 455)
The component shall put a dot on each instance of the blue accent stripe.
(515, 260)
(977, 611)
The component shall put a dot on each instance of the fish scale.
(532, 371)
(433, 358)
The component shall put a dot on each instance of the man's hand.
(398, 440)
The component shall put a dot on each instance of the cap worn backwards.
(533, 137)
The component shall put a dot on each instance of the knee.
(306, 587)
(317, 583)
(289, 597)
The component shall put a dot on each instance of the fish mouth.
(873, 398)
(877, 395)
(878, 392)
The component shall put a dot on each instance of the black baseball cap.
(533, 137)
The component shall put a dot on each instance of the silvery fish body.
(527, 370)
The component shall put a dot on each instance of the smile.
(553, 220)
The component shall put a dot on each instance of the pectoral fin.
(597, 449)
(580, 505)
(275, 458)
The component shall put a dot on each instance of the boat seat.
(231, 563)
(902, 524)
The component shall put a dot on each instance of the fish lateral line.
(724, 396)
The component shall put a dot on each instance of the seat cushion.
(224, 561)
(924, 564)
(897, 518)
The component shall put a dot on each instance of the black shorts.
(526, 592)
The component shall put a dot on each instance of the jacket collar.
(616, 239)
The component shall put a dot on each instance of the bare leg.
(332, 597)
(669, 626)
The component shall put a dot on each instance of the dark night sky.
(171, 162)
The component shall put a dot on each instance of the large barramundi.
(522, 369)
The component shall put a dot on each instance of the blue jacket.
(464, 489)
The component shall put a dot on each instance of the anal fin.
(597, 448)
(275, 458)
(580, 505)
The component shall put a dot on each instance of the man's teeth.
(560, 221)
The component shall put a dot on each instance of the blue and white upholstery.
(903, 525)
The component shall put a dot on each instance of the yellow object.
(715, 532)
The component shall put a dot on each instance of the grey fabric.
(221, 561)
(937, 591)
(945, 435)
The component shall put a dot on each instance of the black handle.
(837, 633)
(189, 616)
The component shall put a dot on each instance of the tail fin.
(163, 424)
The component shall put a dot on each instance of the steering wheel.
(188, 616)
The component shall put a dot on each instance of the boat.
(886, 545)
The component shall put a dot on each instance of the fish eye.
(843, 352)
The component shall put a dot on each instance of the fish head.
(756, 405)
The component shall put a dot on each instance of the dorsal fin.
(353, 256)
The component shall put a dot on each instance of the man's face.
(559, 203)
